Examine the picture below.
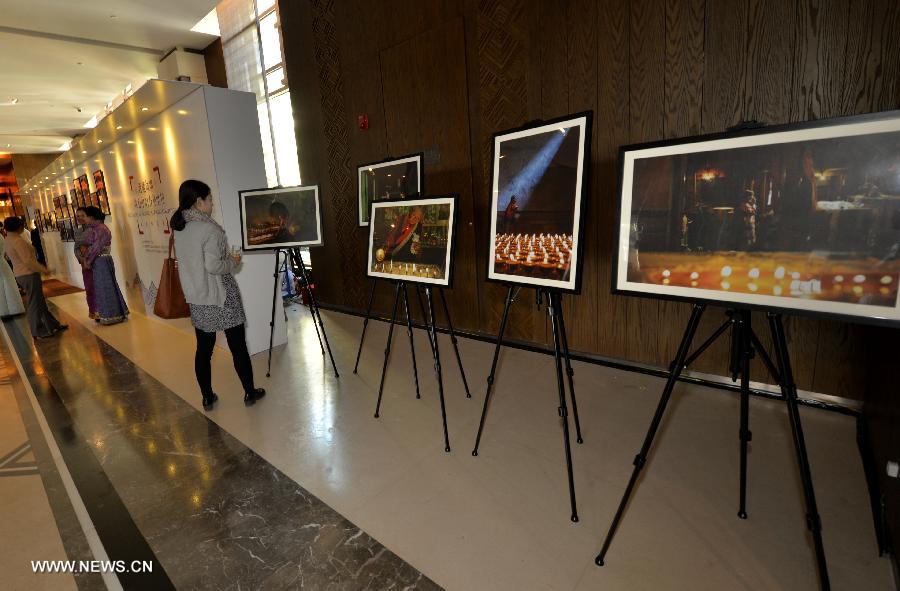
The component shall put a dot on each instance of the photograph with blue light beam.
(398, 178)
(806, 219)
(537, 202)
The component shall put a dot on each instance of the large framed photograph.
(538, 199)
(282, 217)
(39, 220)
(799, 218)
(396, 178)
(84, 190)
(413, 239)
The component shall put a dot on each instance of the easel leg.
(555, 321)
(387, 349)
(293, 256)
(639, 460)
(424, 315)
(746, 353)
(490, 380)
(437, 366)
(789, 390)
(412, 347)
(317, 314)
(362, 337)
(453, 340)
(276, 293)
(569, 371)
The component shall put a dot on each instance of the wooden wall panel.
(646, 55)
(650, 69)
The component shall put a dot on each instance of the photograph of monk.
(537, 203)
(412, 240)
(399, 178)
(281, 218)
(808, 219)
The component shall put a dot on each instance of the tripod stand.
(744, 344)
(453, 339)
(293, 259)
(561, 353)
(433, 341)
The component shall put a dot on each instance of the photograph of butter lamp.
(412, 241)
(538, 199)
(796, 219)
(284, 219)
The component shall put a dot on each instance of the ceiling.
(64, 61)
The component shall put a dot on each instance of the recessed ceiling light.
(84, 151)
(145, 108)
(111, 152)
(118, 127)
(99, 141)
(130, 141)
(152, 128)
(14, 100)
(181, 112)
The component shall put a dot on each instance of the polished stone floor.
(217, 500)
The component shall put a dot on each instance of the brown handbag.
(170, 302)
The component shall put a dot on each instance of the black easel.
(561, 353)
(453, 339)
(744, 344)
(292, 258)
(433, 341)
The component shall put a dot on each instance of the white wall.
(211, 135)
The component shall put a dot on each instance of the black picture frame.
(39, 220)
(793, 133)
(309, 191)
(100, 189)
(451, 200)
(581, 194)
(84, 190)
(363, 209)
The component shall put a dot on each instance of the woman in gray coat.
(204, 268)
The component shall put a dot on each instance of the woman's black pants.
(237, 343)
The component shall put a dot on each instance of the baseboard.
(812, 399)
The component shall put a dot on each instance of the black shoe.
(208, 401)
(250, 398)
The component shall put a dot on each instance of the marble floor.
(498, 521)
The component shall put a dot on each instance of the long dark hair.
(188, 193)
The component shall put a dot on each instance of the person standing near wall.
(37, 244)
(10, 299)
(87, 274)
(28, 275)
(204, 269)
(109, 303)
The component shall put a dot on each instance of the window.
(254, 62)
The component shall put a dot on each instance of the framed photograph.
(84, 190)
(102, 196)
(396, 178)
(282, 217)
(73, 199)
(798, 218)
(413, 239)
(538, 199)
(39, 220)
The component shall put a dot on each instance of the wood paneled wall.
(442, 76)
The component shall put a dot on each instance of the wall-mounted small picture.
(412, 239)
(39, 220)
(282, 217)
(84, 190)
(73, 199)
(539, 192)
(396, 178)
(102, 195)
